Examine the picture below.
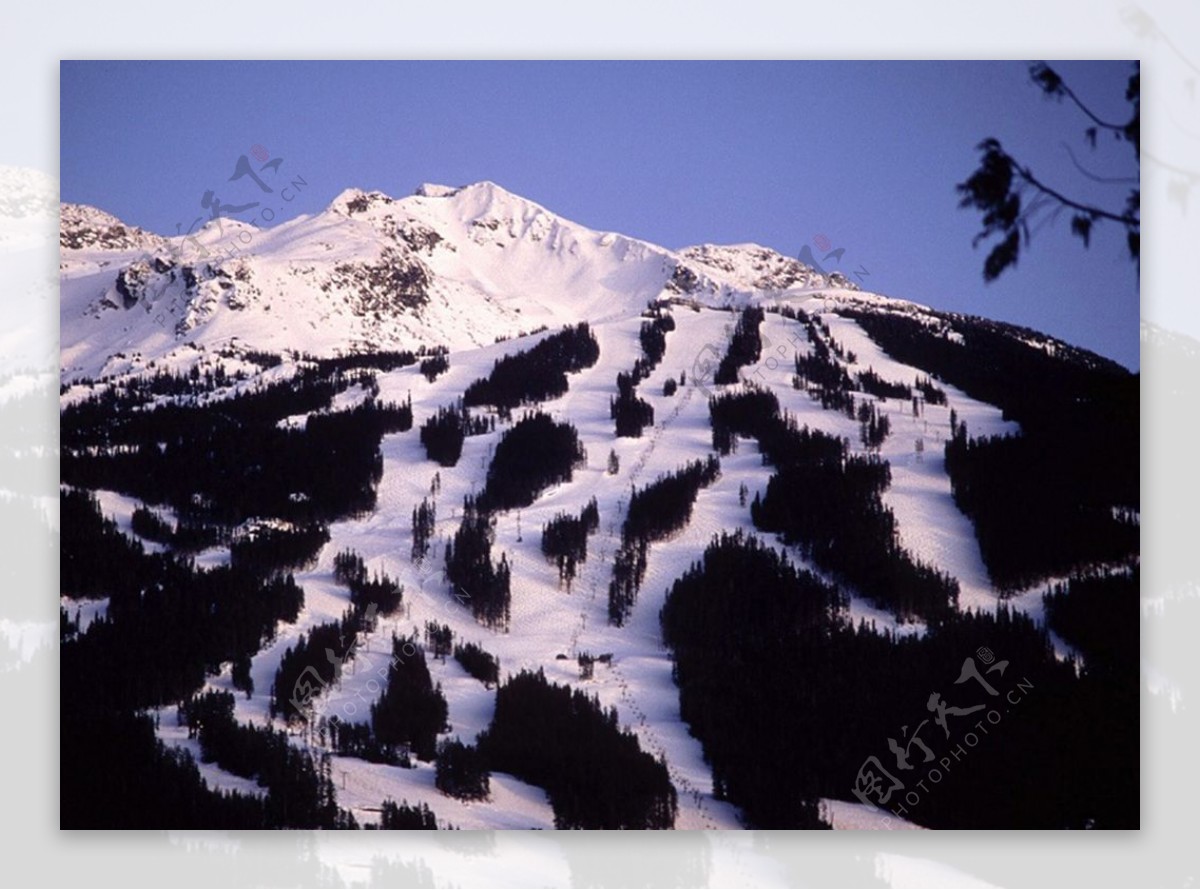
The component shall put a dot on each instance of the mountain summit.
(455, 267)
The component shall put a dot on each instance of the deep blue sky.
(866, 154)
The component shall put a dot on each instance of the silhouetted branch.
(1131, 180)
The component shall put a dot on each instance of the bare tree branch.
(1025, 173)
(1108, 180)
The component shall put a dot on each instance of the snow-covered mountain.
(232, 311)
(455, 267)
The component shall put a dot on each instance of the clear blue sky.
(866, 154)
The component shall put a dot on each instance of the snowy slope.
(548, 621)
(465, 267)
(455, 267)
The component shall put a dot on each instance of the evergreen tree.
(600, 778)
(461, 771)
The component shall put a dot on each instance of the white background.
(1165, 35)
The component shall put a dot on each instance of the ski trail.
(686, 791)
(692, 801)
(594, 569)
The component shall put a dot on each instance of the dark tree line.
(535, 453)
(197, 381)
(366, 590)
(655, 512)
(96, 559)
(147, 524)
(380, 360)
(462, 771)
(315, 663)
(538, 373)
(439, 638)
(595, 774)
(934, 394)
(483, 584)
(829, 503)
(300, 791)
(217, 462)
(353, 739)
(436, 364)
(115, 773)
(817, 371)
(167, 624)
(789, 700)
(755, 413)
(872, 384)
(424, 519)
(404, 816)
(206, 463)
(265, 360)
(665, 506)
(739, 707)
(821, 337)
(791, 312)
(444, 432)
(632, 414)
(163, 382)
(265, 548)
(1001, 364)
(745, 346)
(629, 568)
(834, 513)
(873, 426)
(1042, 502)
(411, 711)
(239, 674)
(109, 416)
(1034, 512)
(194, 536)
(821, 372)
(750, 412)
(477, 662)
(1097, 613)
(564, 540)
(653, 337)
(234, 608)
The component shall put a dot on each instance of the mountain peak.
(432, 190)
(353, 201)
(456, 266)
(83, 226)
(760, 268)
